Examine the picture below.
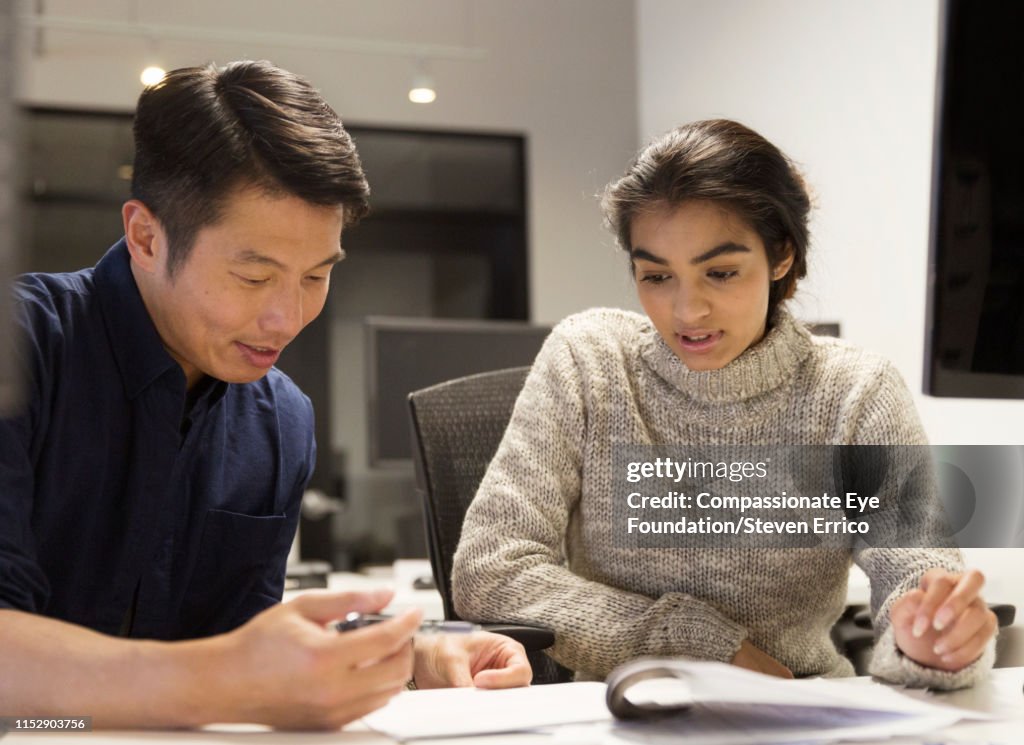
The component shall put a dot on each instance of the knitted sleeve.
(887, 416)
(511, 563)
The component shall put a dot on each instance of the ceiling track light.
(153, 71)
(152, 75)
(422, 89)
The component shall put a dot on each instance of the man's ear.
(781, 269)
(147, 242)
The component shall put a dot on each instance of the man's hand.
(752, 658)
(460, 660)
(944, 623)
(289, 668)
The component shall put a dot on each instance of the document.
(716, 704)
(713, 704)
(451, 712)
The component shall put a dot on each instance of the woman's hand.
(944, 623)
(752, 658)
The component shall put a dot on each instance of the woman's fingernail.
(939, 649)
(920, 625)
(942, 618)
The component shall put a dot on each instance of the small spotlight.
(152, 75)
(422, 89)
(422, 95)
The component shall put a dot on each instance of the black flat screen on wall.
(976, 280)
(406, 354)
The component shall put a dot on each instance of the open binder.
(711, 702)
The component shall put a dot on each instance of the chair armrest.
(1005, 613)
(533, 638)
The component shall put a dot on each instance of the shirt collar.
(139, 351)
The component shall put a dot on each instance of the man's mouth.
(259, 356)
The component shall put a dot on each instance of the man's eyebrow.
(644, 254)
(253, 257)
(332, 259)
(719, 250)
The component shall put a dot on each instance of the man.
(150, 490)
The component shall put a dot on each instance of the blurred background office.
(484, 199)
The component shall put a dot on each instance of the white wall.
(562, 72)
(847, 89)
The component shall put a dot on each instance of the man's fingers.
(324, 607)
(379, 640)
(457, 671)
(937, 585)
(499, 662)
(514, 674)
(964, 593)
(384, 674)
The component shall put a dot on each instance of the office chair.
(456, 429)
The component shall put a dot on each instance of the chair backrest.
(457, 427)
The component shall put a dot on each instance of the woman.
(714, 220)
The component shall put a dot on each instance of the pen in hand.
(356, 620)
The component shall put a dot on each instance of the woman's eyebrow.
(719, 250)
(643, 253)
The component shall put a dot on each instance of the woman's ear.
(781, 269)
(144, 235)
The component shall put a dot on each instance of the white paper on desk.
(452, 712)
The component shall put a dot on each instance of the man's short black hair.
(203, 133)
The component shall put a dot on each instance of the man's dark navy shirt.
(119, 503)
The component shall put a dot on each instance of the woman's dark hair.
(204, 132)
(720, 161)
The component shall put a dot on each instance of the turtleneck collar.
(760, 369)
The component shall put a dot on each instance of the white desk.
(1000, 695)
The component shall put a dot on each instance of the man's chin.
(240, 376)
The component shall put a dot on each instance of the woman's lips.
(699, 342)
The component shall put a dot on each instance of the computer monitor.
(9, 388)
(406, 354)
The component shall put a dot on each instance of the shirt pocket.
(235, 550)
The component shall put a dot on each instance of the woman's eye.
(253, 281)
(654, 279)
(314, 278)
(722, 276)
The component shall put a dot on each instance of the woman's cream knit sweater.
(537, 543)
